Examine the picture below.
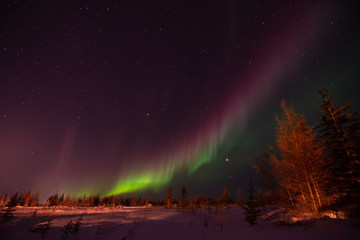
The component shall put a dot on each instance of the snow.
(160, 223)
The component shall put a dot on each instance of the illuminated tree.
(53, 200)
(133, 201)
(239, 197)
(67, 201)
(35, 200)
(301, 168)
(26, 199)
(169, 199)
(225, 198)
(7, 212)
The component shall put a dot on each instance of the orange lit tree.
(301, 168)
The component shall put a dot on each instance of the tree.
(239, 197)
(301, 169)
(225, 198)
(7, 212)
(269, 180)
(67, 201)
(169, 199)
(26, 199)
(251, 208)
(183, 198)
(133, 201)
(340, 135)
(53, 200)
(35, 200)
(96, 200)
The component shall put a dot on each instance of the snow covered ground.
(160, 223)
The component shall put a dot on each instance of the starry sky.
(132, 97)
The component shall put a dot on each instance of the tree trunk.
(311, 195)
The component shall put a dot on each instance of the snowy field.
(160, 223)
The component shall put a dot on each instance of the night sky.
(131, 98)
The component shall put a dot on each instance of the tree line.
(32, 199)
(311, 169)
(307, 170)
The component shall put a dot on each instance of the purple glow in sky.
(118, 98)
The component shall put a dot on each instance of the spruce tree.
(183, 198)
(251, 208)
(35, 200)
(7, 212)
(25, 200)
(169, 199)
(53, 200)
(133, 201)
(340, 135)
(225, 198)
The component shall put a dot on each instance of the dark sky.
(130, 98)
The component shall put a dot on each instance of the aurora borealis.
(120, 98)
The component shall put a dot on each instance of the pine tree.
(225, 198)
(7, 212)
(251, 208)
(67, 200)
(183, 198)
(96, 200)
(35, 200)
(26, 198)
(169, 199)
(112, 201)
(264, 166)
(61, 200)
(53, 200)
(340, 135)
(133, 201)
(239, 197)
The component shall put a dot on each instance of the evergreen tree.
(239, 197)
(61, 200)
(133, 201)
(264, 166)
(197, 201)
(169, 199)
(53, 200)
(112, 201)
(7, 212)
(35, 200)
(183, 198)
(251, 208)
(67, 201)
(96, 200)
(4, 200)
(340, 135)
(225, 198)
(26, 198)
